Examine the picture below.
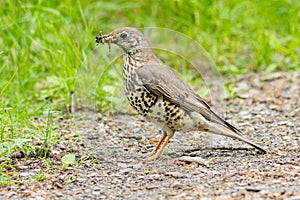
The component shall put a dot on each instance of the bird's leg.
(161, 150)
(168, 134)
(157, 146)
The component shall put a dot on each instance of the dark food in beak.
(104, 39)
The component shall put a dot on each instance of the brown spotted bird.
(154, 90)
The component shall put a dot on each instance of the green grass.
(45, 45)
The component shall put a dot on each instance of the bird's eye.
(123, 35)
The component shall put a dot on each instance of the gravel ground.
(110, 150)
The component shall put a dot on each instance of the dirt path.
(112, 166)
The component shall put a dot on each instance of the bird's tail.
(221, 130)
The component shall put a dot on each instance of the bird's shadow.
(208, 152)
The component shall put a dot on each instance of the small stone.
(175, 174)
(282, 122)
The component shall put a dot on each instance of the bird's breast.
(156, 109)
(164, 113)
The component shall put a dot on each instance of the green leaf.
(271, 68)
(3, 151)
(20, 141)
(68, 159)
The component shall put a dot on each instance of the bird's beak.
(109, 38)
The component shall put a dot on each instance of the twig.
(72, 102)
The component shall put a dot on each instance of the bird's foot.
(150, 156)
(154, 155)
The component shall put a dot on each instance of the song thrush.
(155, 92)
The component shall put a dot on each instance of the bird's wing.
(162, 81)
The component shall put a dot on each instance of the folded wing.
(162, 81)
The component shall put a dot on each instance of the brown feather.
(178, 92)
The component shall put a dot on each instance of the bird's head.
(129, 39)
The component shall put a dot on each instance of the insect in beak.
(100, 38)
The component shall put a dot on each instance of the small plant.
(71, 179)
(39, 177)
(5, 179)
(68, 159)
